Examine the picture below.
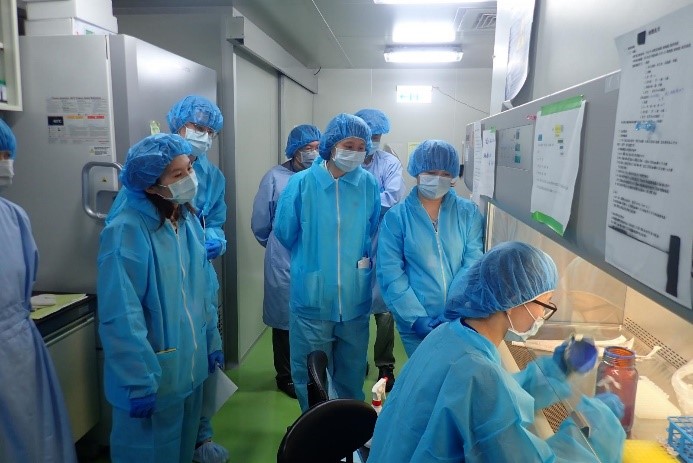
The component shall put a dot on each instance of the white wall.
(257, 139)
(296, 109)
(348, 90)
(576, 39)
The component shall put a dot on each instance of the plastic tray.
(681, 436)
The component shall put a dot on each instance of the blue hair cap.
(344, 126)
(376, 120)
(196, 109)
(299, 137)
(7, 140)
(434, 155)
(147, 159)
(510, 274)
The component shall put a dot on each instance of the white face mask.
(347, 160)
(307, 158)
(184, 190)
(6, 171)
(201, 143)
(513, 335)
(434, 186)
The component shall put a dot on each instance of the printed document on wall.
(476, 177)
(555, 161)
(487, 173)
(649, 222)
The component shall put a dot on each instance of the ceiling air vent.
(485, 21)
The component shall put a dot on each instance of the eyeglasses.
(201, 129)
(549, 309)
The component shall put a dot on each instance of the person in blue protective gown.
(34, 424)
(156, 323)
(301, 150)
(198, 120)
(454, 401)
(326, 218)
(387, 170)
(425, 242)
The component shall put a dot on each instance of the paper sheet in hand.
(218, 388)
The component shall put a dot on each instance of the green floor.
(252, 423)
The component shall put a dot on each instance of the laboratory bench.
(68, 328)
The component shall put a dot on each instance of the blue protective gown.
(211, 210)
(209, 200)
(156, 321)
(327, 226)
(416, 264)
(387, 171)
(275, 305)
(454, 401)
(34, 424)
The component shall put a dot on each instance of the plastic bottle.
(616, 373)
(378, 392)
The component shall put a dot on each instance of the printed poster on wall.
(649, 232)
(476, 175)
(555, 161)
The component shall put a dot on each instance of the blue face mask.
(347, 160)
(200, 142)
(434, 186)
(513, 335)
(184, 190)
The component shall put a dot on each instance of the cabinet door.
(74, 355)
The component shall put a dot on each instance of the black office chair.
(317, 377)
(328, 432)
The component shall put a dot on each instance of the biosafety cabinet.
(593, 297)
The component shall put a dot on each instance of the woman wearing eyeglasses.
(454, 401)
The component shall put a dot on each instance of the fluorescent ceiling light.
(423, 32)
(422, 55)
(424, 2)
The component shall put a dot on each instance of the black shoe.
(388, 371)
(287, 387)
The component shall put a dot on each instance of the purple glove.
(559, 357)
(422, 326)
(213, 248)
(612, 401)
(142, 407)
(214, 359)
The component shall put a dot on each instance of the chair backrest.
(317, 377)
(328, 432)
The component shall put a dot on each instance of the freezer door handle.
(86, 188)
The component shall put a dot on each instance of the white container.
(64, 26)
(96, 12)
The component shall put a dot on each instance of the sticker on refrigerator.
(79, 121)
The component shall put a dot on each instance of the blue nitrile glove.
(422, 326)
(559, 357)
(214, 359)
(576, 355)
(439, 320)
(213, 248)
(612, 401)
(142, 407)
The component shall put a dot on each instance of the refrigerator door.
(88, 99)
(66, 123)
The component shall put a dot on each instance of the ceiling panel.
(344, 33)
